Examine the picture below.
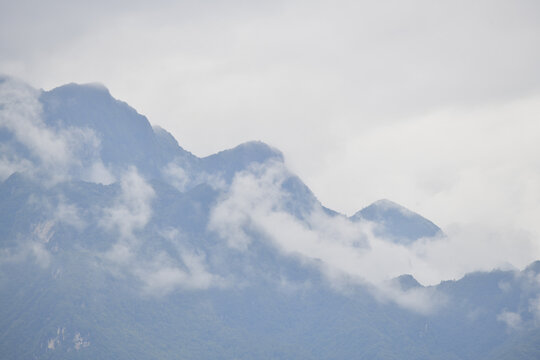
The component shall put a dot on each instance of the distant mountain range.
(116, 243)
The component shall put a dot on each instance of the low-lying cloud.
(31, 246)
(162, 275)
(253, 208)
(132, 209)
(53, 155)
(183, 178)
(349, 251)
(159, 272)
(512, 320)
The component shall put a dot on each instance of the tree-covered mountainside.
(116, 243)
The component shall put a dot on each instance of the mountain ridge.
(225, 256)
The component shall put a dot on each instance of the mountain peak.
(229, 161)
(85, 89)
(125, 136)
(388, 205)
(396, 222)
(534, 267)
(406, 282)
(260, 148)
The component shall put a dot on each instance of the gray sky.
(435, 105)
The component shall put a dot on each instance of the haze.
(432, 105)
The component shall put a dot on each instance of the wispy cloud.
(253, 210)
(346, 252)
(32, 245)
(160, 273)
(53, 154)
(11, 162)
(177, 176)
(182, 177)
(512, 320)
(133, 208)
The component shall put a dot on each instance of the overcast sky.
(432, 104)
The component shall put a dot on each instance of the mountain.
(118, 243)
(397, 223)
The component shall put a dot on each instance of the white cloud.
(99, 174)
(120, 253)
(281, 64)
(10, 162)
(247, 194)
(40, 253)
(133, 208)
(428, 104)
(431, 105)
(54, 154)
(422, 300)
(253, 210)
(184, 178)
(162, 275)
(470, 171)
(69, 214)
(131, 211)
(32, 246)
(281, 71)
(512, 320)
(20, 113)
(176, 175)
(32, 249)
(159, 273)
(345, 251)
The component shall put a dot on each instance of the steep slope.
(125, 137)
